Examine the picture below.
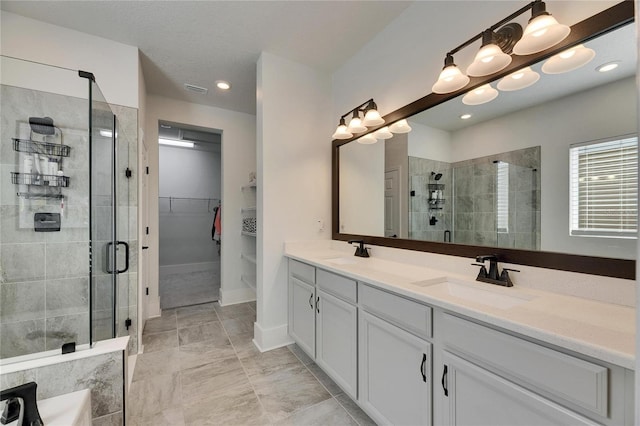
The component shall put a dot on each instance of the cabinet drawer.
(572, 379)
(406, 314)
(337, 285)
(302, 271)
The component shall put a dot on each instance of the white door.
(337, 341)
(472, 395)
(395, 373)
(392, 203)
(302, 315)
(143, 296)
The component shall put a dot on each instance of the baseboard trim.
(271, 338)
(235, 296)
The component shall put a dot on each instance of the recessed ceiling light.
(608, 66)
(223, 85)
(465, 116)
(172, 142)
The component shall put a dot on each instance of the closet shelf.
(249, 234)
(36, 147)
(250, 186)
(249, 257)
(249, 280)
(248, 209)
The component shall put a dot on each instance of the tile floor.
(200, 367)
(183, 289)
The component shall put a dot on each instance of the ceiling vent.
(196, 89)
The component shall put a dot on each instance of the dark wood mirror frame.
(595, 26)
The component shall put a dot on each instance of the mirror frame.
(608, 20)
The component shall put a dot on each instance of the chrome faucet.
(361, 250)
(493, 276)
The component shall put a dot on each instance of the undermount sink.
(478, 293)
(341, 260)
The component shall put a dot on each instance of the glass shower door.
(103, 268)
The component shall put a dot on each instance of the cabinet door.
(302, 326)
(395, 373)
(472, 395)
(337, 341)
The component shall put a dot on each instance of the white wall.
(604, 112)
(362, 189)
(114, 65)
(427, 142)
(294, 125)
(238, 159)
(637, 369)
(185, 225)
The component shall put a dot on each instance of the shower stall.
(68, 204)
(488, 201)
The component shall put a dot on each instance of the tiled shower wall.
(470, 200)
(44, 276)
(420, 209)
(475, 212)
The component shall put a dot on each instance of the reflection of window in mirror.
(604, 188)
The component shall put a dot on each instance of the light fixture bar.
(172, 142)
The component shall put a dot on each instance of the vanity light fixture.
(480, 95)
(498, 42)
(173, 142)
(568, 60)
(520, 79)
(383, 133)
(400, 127)
(542, 32)
(356, 124)
(367, 139)
(609, 66)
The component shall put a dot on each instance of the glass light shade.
(568, 60)
(356, 126)
(372, 118)
(520, 79)
(488, 60)
(383, 133)
(367, 139)
(342, 133)
(481, 95)
(450, 80)
(542, 32)
(400, 127)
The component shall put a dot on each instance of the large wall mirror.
(518, 176)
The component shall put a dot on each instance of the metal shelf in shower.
(36, 179)
(35, 147)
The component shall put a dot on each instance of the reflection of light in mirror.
(568, 60)
(383, 133)
(465, 116)
(400, 127)
(481, 95)
(609, 66)
(367, 139)
(520, 79)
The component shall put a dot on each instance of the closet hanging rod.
(208, 200)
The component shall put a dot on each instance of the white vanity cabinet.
(337, 330)
(302, 303)
(394, 364)
(488, 376)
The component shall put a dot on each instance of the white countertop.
(600, 330)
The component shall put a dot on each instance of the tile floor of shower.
(200, 366)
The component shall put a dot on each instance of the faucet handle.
(504, 276)
(483, 270)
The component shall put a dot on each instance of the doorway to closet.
(189, 209)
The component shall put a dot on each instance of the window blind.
(502, 196)
(604, 188)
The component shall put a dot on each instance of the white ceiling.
(199, 42)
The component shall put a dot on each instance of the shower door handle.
(126, 257)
